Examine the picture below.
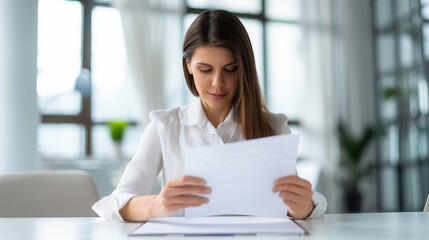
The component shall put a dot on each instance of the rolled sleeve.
(108, 207)
(321, 204)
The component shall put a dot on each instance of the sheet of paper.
(242, 174)
(218, 226)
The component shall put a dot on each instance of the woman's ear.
(188, 66)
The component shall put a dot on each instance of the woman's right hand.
(180, 193)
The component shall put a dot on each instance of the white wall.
(18, 91)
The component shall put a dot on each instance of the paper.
(218, 226)
(242, 174)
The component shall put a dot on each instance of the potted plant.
(117, 130)
(352, 149)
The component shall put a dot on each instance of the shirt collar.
(194, 114)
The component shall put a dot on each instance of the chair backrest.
(68, 193)
(426, 209)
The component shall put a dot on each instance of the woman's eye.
(205, 70)
(231, 69)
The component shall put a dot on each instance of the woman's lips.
(217, 96)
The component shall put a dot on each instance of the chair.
(59, 193)
(426, 209)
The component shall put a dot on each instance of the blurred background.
(78, 78)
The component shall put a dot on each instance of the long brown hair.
(220, 28)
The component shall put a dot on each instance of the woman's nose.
(218, 80)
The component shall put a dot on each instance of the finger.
(291, 188)
(187, 180)
(291, 180)
(296, 180)
(186, 200)
(294, 189)
(185, 190)
(175, 207)
(302, 197)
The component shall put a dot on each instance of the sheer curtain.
(152, 35)
(340, 80)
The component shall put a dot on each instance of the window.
(401, 81)
(81, 79)
(59, 56)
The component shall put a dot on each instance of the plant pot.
(353, 201)
(117, 151)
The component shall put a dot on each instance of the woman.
(219, 68)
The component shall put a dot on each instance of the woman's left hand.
(296, 194)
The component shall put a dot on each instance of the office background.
(68, 68)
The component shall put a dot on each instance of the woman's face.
(215, 73)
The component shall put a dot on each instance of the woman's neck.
(216, 116)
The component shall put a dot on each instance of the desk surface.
(364, 226)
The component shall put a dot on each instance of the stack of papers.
(218, 226)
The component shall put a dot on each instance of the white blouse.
(160, 149)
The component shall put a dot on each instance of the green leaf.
(353, 148)
(390, 92)
(117, 129)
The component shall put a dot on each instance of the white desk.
(366, 226)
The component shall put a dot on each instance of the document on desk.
(218, 226)
(242, 174)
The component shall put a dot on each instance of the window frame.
(83, 118)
